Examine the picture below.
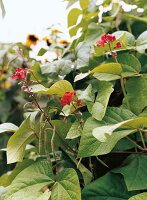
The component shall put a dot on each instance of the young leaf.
(41, 52)
(73, 16)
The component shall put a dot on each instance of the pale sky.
(25, 17)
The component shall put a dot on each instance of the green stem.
(101, 162)
(138, 146)
(124, 91)
(46, 148)
(142, 139)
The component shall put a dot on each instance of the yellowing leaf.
(59, 88)
(109, 68)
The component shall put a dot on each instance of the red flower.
(118, 45)
(67, 98)
(19, 74)
(79, 102)
(106, 38)
(110, 38)
(100, 43)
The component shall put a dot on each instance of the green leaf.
(58, 88)
(7, 178)
(60, 67)
(141, 42)
(80, 76)
(129, 63)
(36, 72)
(17, 142)
(142, 196)
(108, 187)
(106, 77)
(45, 196)
(109, 68)
(67, 186)
(90, 146)
(83, 54)
(87, 94)
(23, 187)
(74, 131)
(87, 175)
(8, 127)
(134, 171)
(73, 16)
(104, 132)
(93, 33)
(41, 52)
(129, 38)
(137, 94)
(84, 4)
(99, 107)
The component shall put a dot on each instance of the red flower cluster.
(106, 38)
(67, 98)
(19, 74)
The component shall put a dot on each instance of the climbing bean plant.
(84, 134)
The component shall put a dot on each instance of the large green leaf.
(90, 146)
(73, 16)
(66, 186)
(99, 107)
(141, 42)
(137, 93)
(38, 177)
(142, 196)
(134, 171)
(104, 132)
(17, 142)
(58, 88)
(8, 127)
(29, 182)
(108, 187)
